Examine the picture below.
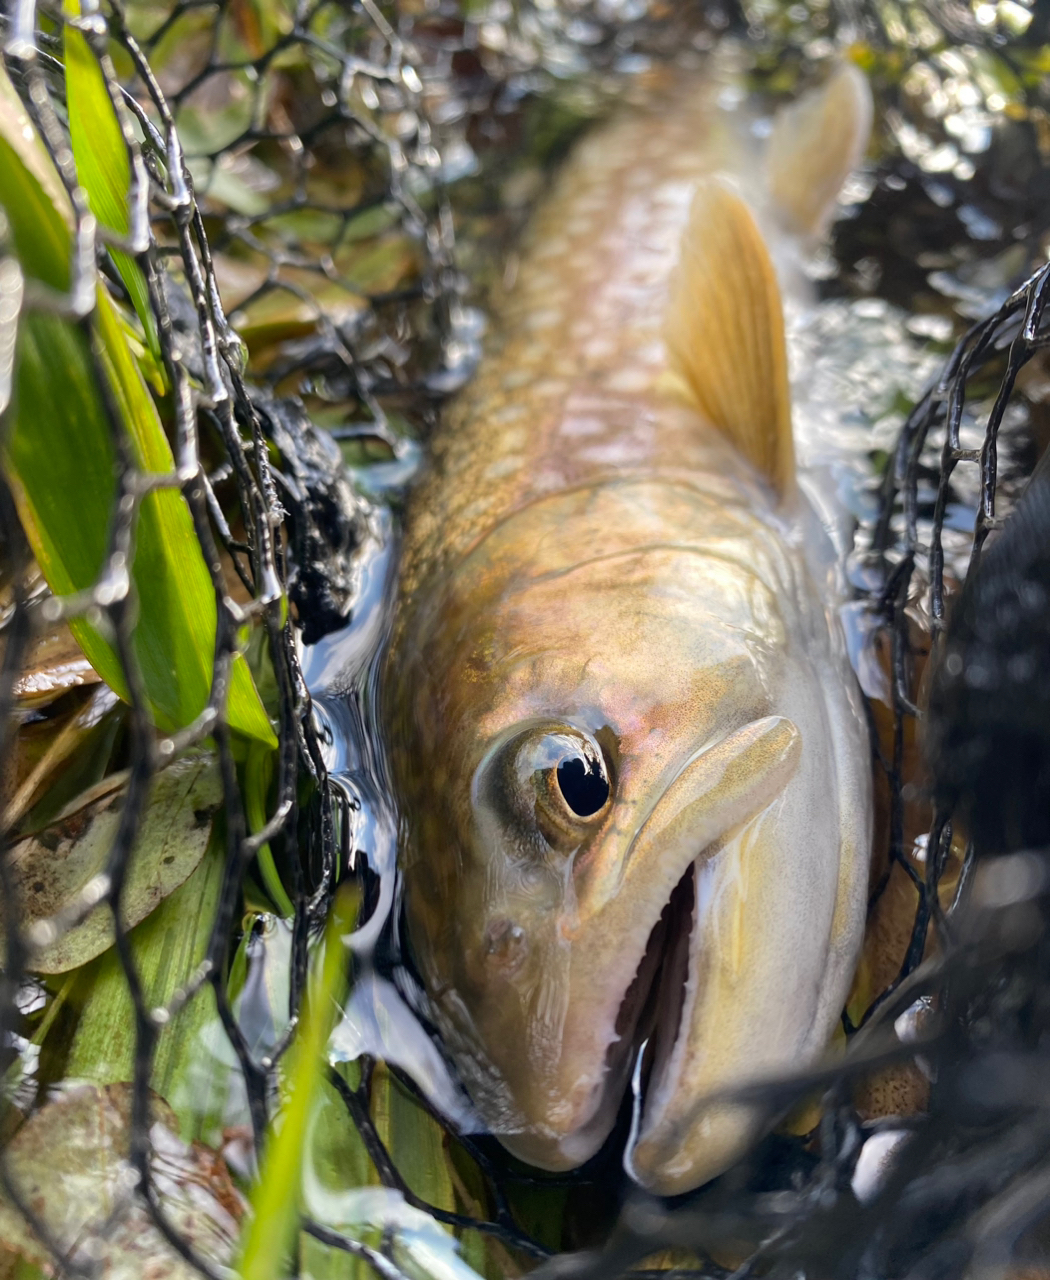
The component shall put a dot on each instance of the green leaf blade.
(34, 200)
(167, 946)
(62, 464)
(103, 167)
(275, 1200)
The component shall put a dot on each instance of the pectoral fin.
(725, 332)
(814, 145)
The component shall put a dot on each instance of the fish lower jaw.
(650, 1023)
(559, 1152)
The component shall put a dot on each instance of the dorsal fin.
(725, 332)
(814, 145)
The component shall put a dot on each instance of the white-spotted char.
(626, 737)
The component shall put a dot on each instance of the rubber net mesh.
(287, 206)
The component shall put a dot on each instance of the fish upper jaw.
(719, 787)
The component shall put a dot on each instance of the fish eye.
(583, 785)
(556, 781)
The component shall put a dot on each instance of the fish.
(626, 741)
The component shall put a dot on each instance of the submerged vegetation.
(247, 251)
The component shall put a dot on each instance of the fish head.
(631, 840)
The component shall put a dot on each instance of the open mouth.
(653, 1005)
(659, 992)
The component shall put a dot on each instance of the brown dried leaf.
(49, 764)
(55, 866)
(69, 1163)
(54, 665)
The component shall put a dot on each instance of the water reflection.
(342, 673)
(339, 662)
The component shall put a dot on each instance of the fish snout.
(627, 936)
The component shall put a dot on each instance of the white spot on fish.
(474, 510)
(509, 413)
(545, 319)
(582, 426)
(578, 228)
(599, 348)
(502, 467)
(615, 453)
(653, 353)
(515, 440)
(630, 380)
(674, 195)
(548, 388)
(552, 249)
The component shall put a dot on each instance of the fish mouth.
(652, 1053)
(649, 1019)
(701, 965)
(655, 893)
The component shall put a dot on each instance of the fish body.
(625, 735)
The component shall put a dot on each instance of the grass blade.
(102, 162)
(258, 770)
(61, 463)
(275, 1202)
(168, 946)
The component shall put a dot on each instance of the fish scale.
(578, 341)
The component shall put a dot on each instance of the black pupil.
(583, 785)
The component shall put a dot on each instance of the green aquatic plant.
(100, 149)
(275, 1209)
(87, 458)
(60, 458)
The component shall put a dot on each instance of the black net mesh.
(289, 210)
